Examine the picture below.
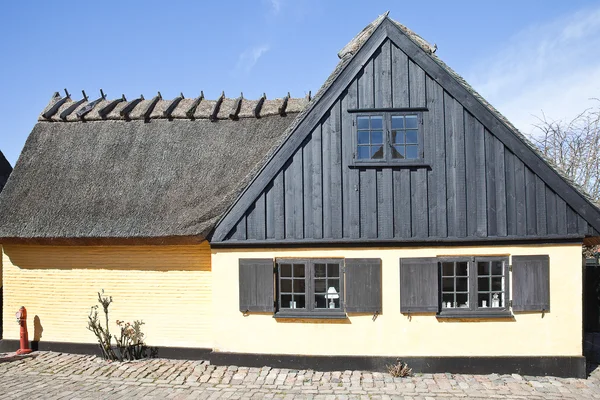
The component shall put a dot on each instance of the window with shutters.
(388, 138)
(310, 286)
(473, 284)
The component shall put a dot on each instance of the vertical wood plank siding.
(473, 187)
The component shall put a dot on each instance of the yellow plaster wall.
(559, 332)
(168, 287)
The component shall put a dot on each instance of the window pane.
(333, 270)
(412, 152)
(497, 284)
(483, 300)
(397, 122)
(376, 122)
(319, 270)
(462, 284)
(412, 137)
(398, 137)
(497, 268)
(376, 137)
(300, 301)
(285, 270)
(334, 283)
(483, 268)
(363, 122)
(320, 286)
(462, 300)
(298, 270)
(448, 300)
(286, 301)
(398, 152)
(335, 303)
(298, 285)
(320, 301)
(377, 152)
(462, 269)
(448, 269)
(411, 122)
(483, 284)
(448, 284)
(286, 285)
(363, 152)
(363, 137)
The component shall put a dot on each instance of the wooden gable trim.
(295, 139)
(497, 127)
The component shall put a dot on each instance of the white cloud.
(275, 5)
(249, 57)
(554, 68)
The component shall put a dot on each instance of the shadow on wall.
(142, 258)
(38, 329)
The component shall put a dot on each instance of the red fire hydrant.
(22, 321)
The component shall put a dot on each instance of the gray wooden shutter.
(419, 288)
(531, 283)
(363, 285)
(256, 284)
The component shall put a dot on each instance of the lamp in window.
(331, 295)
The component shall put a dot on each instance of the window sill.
(475, 315)
(310, 315)
(385, 164)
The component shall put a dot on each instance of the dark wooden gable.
(5, 170)
(481, 182)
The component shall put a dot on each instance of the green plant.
(129, 344)
(399, 369)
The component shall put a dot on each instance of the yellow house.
(396, 214)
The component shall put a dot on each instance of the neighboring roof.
(134, 178)
(5, 170)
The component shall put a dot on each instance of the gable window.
(474, 284)
(311, 285)
(389, 137)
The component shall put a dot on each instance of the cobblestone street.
(49, 375)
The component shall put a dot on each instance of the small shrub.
(399, 369)
(129, 344)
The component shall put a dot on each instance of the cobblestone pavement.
(49, 375)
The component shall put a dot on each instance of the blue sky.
(524, 57)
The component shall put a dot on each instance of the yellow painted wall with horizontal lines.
(168, 287)
(556, 333)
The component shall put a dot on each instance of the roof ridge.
(65, 109)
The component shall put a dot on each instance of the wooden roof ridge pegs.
(90, 106)
(129, 107)
(283, 106)
(190, 112)
(167, 113)
(215, 110)
(259, 105)
(150, 108)
(235, 110)
(85, 96)
(52, 110)
(308, 96)
(67, 93)
(104, 111)
(72, 107)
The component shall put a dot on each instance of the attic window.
(388, 138)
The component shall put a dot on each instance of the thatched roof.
(5, 170)
(136, 178)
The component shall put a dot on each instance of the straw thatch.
(5, 170)
(136, 179)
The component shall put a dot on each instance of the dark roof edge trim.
(412, 242)
(297, 135)
(504, 133)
